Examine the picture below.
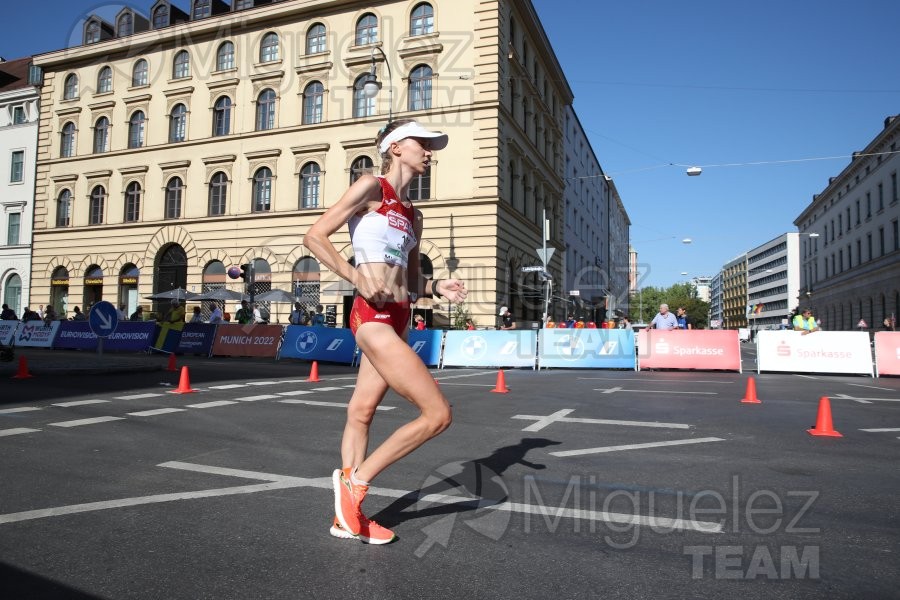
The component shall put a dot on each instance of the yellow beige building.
(173, 146)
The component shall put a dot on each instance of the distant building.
(716, 313)
(701, 284)
(850, 272)
(773, 281)
(734, 293)
(19, 114)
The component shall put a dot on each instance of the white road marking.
(211, 404)
(255, 398)
(230, 386)
(263, 382)
(21, 409)
(560, 416)
(874, 387)
(80, 422)
(863, 400)
(807, 376)
(80, 403)
(326, 389)
(635, 446)
(645, 380)
(611, 390)
(155, 411)
(137, 396)
(273, 481)
(295, 393)
(881, 430)
(16, 431)
(331, 404)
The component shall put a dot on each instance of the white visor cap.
(414, 130)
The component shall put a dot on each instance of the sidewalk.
(43, 361)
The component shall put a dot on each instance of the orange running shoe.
(347, 499)
(370, 532)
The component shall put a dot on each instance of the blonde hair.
(386, 158)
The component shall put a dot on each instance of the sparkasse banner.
(817, 352)
(887, 352)
(689, 349)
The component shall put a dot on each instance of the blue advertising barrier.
(34, 334)
(427, 344)
(7, 331)
(490, 348)
(196, 338)
(586, 348)
(129, 336)
(328, 344)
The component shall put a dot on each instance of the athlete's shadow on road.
(480, 481)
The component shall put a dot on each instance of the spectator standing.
(137, 315)
(507, 320)
(215, 314)
(684, 321)
(805, 322)
(197, 316)
(8, 314)
(296, 317)
(78, 316)
(318, 319)
(664, 319)
(244, 315)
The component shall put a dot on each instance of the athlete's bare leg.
(368, 394)
(400, 368)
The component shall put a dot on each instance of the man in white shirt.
(215, 313)
(297, 314)
(257, 315)
(664, 319)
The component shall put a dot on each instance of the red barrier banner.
(247, 340)
(709, 349)
(887, 353)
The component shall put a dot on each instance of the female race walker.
(385, 231)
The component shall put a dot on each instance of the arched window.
(178, 123)
(140, 73)
(422, 19)
(222, 116)
(67, 141)
(161, 17)
(125, 26)
(360, 167)
(367, 30)
(268, 49)
(202, 9)
(181, 66)
(315, 39)
(98, 201)
(70, 87)
(173, 198)
(309, 185)
(136, 129)
(12, 294)
(262, 190)
(363, 106)
(101, 135)
(225, 57)
(92, 32)
(420, 88)
(132, 202)
(218, 191)
(64, 208)
(313, 101)
(265, 110)
(104, 80)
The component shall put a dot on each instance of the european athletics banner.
(34, 334)
(196, 338)
(427, 344)
(515, 348)
(586, 349)
(329, 344)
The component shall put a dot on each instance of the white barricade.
(818, 352)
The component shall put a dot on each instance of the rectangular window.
(868, 205)
(893, 187)
(896, 239)
(880, 196)
(881, 241)
(857, 213)
(848, 218)
(858, 252)
(869, 245)
(17, 167)
(18, 115)
(12, 230)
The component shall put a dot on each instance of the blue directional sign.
(103, 319)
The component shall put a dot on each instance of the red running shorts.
(395, 314)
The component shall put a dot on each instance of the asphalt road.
(114, 488)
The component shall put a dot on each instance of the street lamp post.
(372, 85)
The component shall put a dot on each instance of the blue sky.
(705, 83)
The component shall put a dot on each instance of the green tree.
(680, 294)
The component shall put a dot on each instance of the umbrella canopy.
(279, 295)
(176, 294)
(220, 294)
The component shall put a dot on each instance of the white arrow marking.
(863, 400)
(560, 416)
(635, 446)
(618, 389)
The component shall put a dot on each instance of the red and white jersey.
(385, 235)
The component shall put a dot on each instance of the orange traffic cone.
(501, 388)
(750, 396)
(314, 372)
(184, 385)
(172, 366)
(23, 369)
(824, 426)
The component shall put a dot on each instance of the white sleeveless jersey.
(385, 235)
